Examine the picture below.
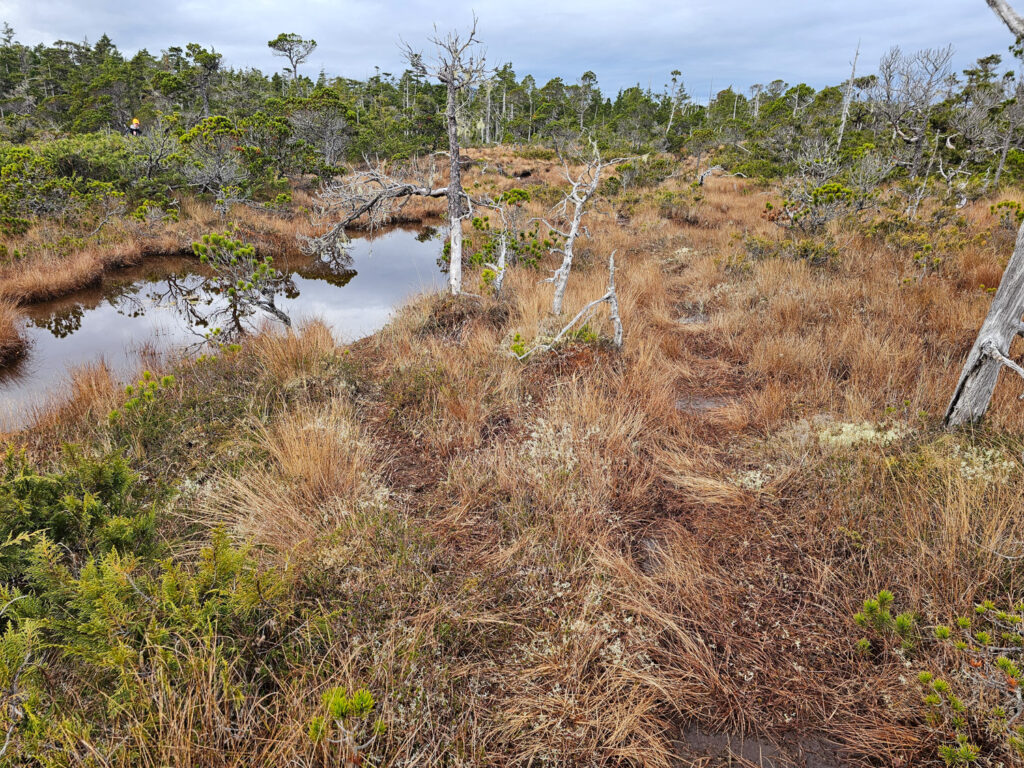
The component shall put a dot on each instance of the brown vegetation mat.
(584, 558)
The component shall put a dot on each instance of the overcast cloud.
(719, 42)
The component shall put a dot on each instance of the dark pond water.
(165, 304)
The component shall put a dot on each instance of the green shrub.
(809, 208)
(646, 171)
(128, 636)
(876, 615)
(815, 252)
(1010, 214)
(33, 187)
(344, 730)
(683, 205)
(975, 706)
(87, 508)
(536, 153)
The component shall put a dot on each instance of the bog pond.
(166, 304)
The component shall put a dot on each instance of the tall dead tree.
(848, 97)
(991, 349)
(458, 65)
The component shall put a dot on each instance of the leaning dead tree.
(583, 187)
(992, 348)
(458, 65)
(1009, 16)
(610, 297)
(371, 196)
(1003, 324)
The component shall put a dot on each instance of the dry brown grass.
(749, 593)
(93, 392)
(49, 269)
(12, 338)
(321, 469)
(290, 356)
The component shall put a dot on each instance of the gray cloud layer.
(723, 42)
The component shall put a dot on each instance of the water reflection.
(166, 304)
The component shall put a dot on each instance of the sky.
(714, 43)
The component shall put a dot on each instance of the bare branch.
(372, 194)
(611, 297)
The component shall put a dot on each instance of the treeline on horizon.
(912, 112)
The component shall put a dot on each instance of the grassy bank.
(573, 560)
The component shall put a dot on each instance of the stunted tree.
(207, 66)
(1008, 122)
(321, 122)
(293, 47)
(458, 65)
(245, 281)
(1003, 324)
(906, 91)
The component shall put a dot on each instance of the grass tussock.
(578, 558)
(12, 337)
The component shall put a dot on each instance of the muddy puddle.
(166, 304)
(715, 750)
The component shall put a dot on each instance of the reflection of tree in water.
(67, 319)
(333, 275)
(203, 308)
(337, 280)
(63, 323)
(193, 296)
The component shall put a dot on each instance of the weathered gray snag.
(992, 348)
(611, 297)
(1009, 16)
(848, 97)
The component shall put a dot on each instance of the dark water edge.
(141, 312)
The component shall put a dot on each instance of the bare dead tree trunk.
(611, 297)
(992, 348)
(847, 98)
(487, 117)
(561, 276)
(584, 187)
(1010, 17)
(456, 204)
(613, 303)
(500, 267)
